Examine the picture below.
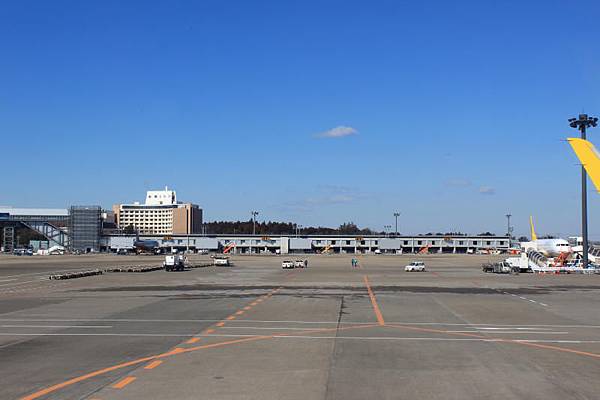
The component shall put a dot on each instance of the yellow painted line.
(254, 303)
(230, 318)
(124, 382)
(247, 308)
(153, 364)
(376, 309)
(239, 312)
(220, 324)
(177, 350)
(193, 340)
(208, 331)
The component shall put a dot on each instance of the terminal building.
(161, 214)
(339, 244)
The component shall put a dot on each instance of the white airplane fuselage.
(548, 247)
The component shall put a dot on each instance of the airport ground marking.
(376, 309)
(193, 340)
(523, 342)
(176, 351)
(124, 382)
(153, 364)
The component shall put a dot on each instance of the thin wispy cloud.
(338, 132)
(458, 182)
(325, 196)
(487, 190)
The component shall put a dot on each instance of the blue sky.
(451, 113)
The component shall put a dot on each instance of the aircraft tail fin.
(533, 235)
(589, 158)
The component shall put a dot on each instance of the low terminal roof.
(53, 212)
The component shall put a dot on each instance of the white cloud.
(338, 132)
(458, 182)
(487, 190)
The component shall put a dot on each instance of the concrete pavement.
(255, 331)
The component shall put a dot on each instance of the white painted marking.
(382, 338)
(7, 280)
(275, 328)
(18, 283)
(544, 304)
(509, 327)
(407, 323)
(512, 332)
(59, 326)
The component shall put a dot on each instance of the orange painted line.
(230, 318)
(239, 312)
(193, 340)
(153, 364)
(254, 303)
(247, 308)
(501, 340)
(124, 382)
(220, 324)
(208, 331)
(376, 309)
(103, 371)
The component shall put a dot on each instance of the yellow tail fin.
(533, 235)
(589, 157)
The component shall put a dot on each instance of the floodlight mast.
(582, 123)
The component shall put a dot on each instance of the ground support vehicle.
(174, 263)
(220, 261)
(415, 266)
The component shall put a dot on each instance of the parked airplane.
(589, 157)
(548, 247)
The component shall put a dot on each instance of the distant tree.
(129, 230)
(486, 234)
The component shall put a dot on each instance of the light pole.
(396, 214)
(581, 124)
(254, 214)
(386, 229)
(508, 231)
